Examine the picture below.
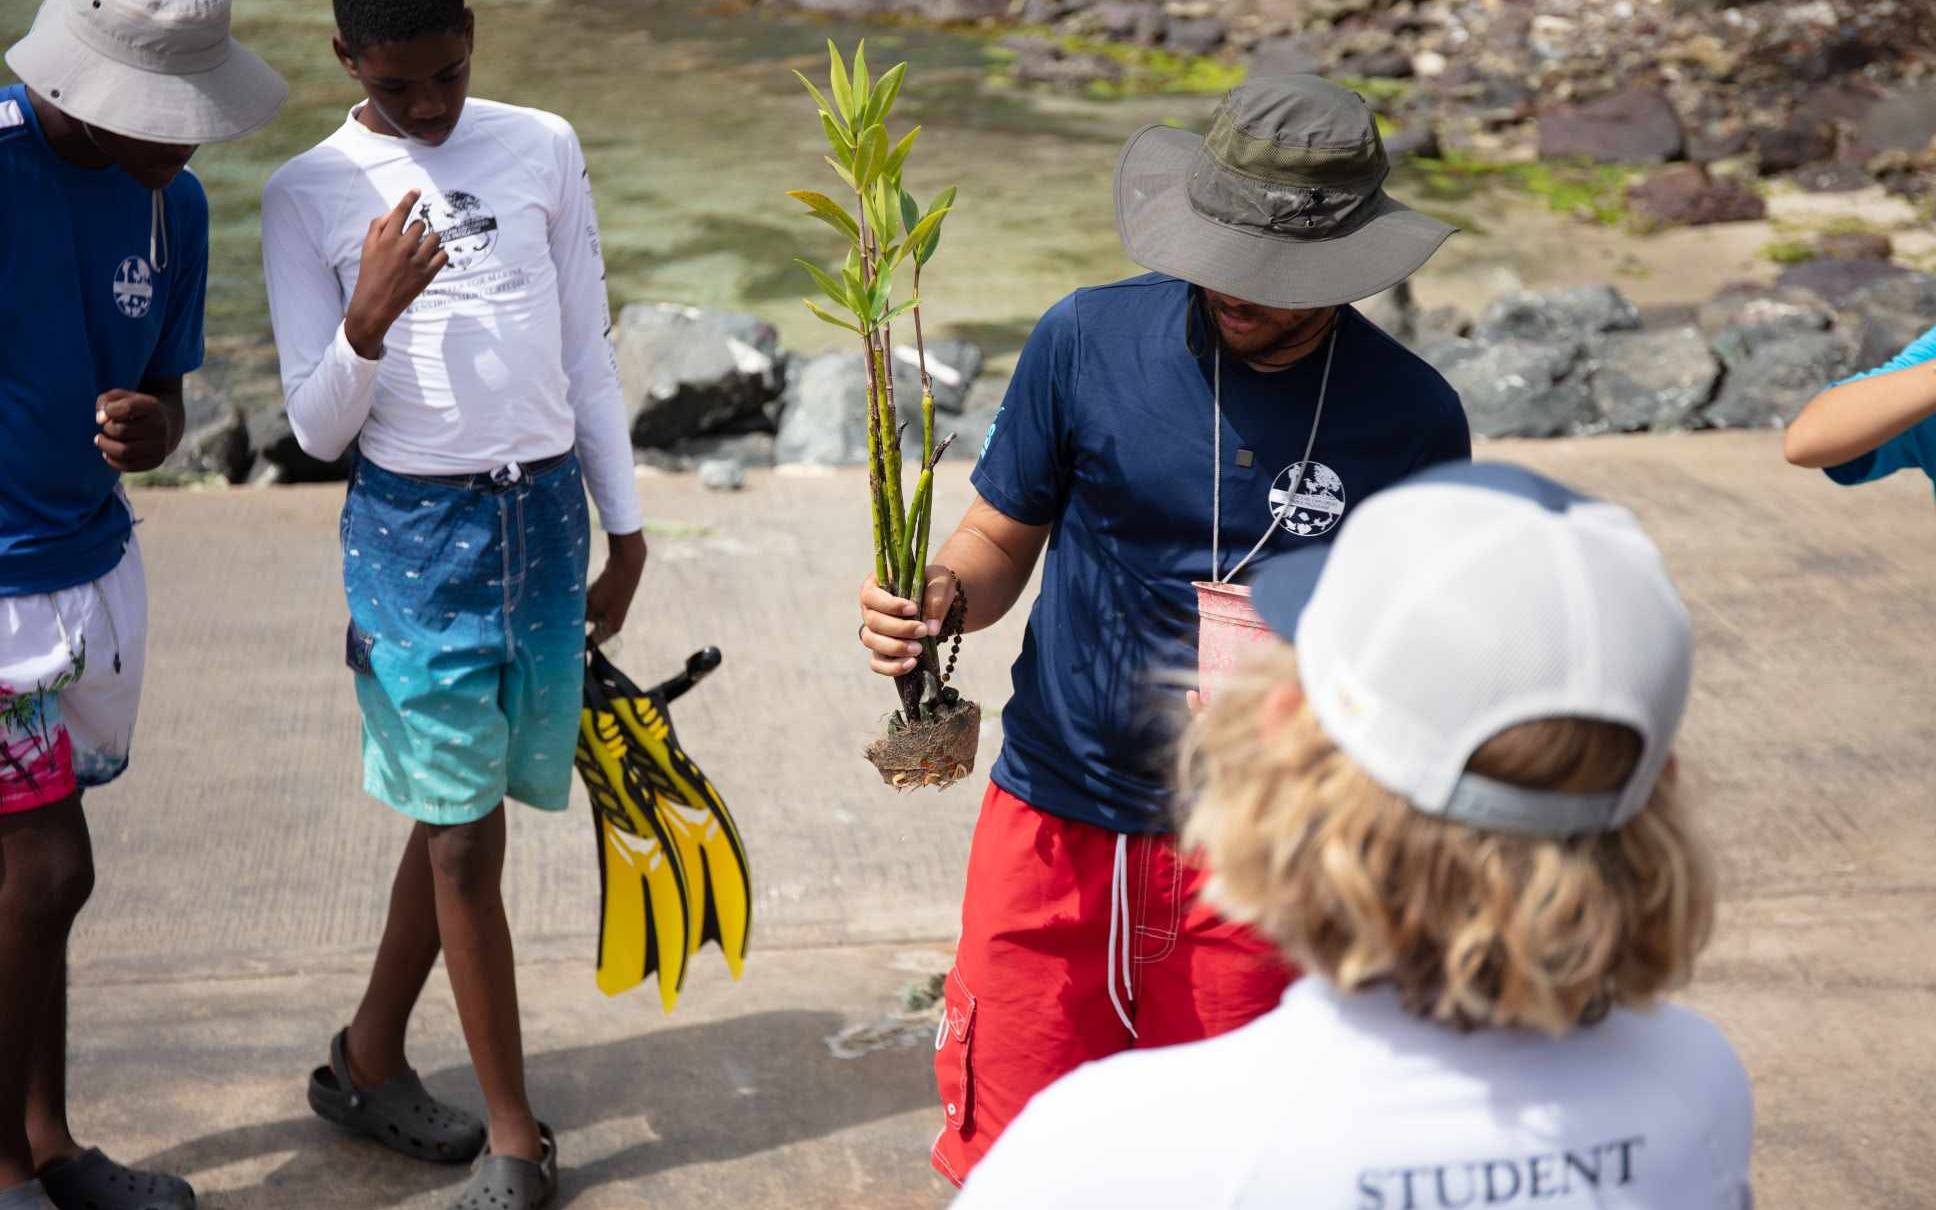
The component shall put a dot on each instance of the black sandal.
(92, 1181)
(502, 1182)
(400, 1113)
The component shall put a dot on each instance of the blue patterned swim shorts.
(467, 634)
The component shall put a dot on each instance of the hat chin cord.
(158, 254)
(1297, 472)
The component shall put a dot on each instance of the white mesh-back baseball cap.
(1469, 599)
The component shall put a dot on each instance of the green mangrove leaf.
(926, 226)
(827, 317)
(821, 100)
(835, 290)
(886, 93)
(840, 169)
(910, 211)
(843, 88)
(836, 137)
(873, 154)
(863, 94)
(828, 211)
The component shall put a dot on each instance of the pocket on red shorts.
(954, 1043)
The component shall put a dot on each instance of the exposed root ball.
(938, 751)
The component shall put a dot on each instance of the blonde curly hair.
(1472, 928)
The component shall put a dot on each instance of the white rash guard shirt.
(1347, 1102)
(506, 357)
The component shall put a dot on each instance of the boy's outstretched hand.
(400, 259)
(609, 598)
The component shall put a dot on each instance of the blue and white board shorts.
(467, 632)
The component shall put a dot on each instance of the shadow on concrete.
(714, 1092)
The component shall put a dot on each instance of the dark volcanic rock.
(1636, 126)
(215, 437)
(1778, 311)
(1857, 245)
(1786, 148)
(1836, 281)
(1043, 61)
(1140, 21)
(281, 458)
(687, 372)
(1195, 35)
(1558, 317)
(1517, 388)
(1286, 55)
(1837, 177)
(1771, 374)
(1653, 380)
(1686, 196)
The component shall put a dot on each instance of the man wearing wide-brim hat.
(1184, 426)
(104, 239)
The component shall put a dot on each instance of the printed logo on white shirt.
(467, 227)
(134, 290)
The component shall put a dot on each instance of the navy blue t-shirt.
(82, 312)
(1106, 435)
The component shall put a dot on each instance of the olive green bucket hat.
(1282, 204)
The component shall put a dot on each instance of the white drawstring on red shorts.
(1119, 927)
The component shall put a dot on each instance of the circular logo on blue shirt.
(134, 287)
(1310, 498)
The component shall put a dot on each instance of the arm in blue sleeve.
(1903, 450)
(1028, 458)
(179, 351)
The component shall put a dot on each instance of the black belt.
(503, 479)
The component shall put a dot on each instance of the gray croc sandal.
(30, 1196)
(500, 1182)
(400, 1113)
(92, 1181)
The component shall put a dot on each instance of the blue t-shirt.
(82, 312)
(1106, 435)
(1915, 446)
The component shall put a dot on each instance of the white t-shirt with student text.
(506, 357)
(1347, 1102)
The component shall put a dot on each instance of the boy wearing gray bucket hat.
(1189, 425)
(105, 242)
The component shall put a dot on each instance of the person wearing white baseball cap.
(104, 243)
(1451, 800)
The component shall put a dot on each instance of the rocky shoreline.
(1835, 94)
(716, 393)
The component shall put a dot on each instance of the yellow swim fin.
(687, 806)
(643, 923)
(719, 880)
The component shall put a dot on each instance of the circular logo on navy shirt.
(134, 287)
(1314, 504)
(464, 223)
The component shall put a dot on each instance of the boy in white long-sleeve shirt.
(438, 296)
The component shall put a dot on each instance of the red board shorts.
(1038, 988)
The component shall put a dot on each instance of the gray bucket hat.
(1282, 204)
(165, 71)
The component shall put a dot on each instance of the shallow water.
(694, 129)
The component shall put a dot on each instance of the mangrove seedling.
(931, 739)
